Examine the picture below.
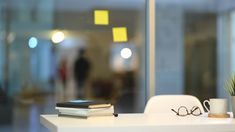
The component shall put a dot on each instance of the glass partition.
(194, 53)
(55, 51)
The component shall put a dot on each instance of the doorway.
(200, 55)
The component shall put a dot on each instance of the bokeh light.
(33, 42)
(126, 53)
(58, 37)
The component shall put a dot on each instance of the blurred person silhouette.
(53, 69)
(63, 72)
(81, 72)
(6, 107)
(3, 96)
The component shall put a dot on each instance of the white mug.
(217, 106)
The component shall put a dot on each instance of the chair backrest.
(164, 103)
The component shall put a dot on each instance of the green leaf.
(230, 86)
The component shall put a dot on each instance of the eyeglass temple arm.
(175, 111)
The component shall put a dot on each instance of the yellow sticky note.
(101, 17)
(120, 34)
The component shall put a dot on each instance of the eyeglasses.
(183, 111)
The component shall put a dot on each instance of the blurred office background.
(41, 40)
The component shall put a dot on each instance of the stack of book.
(84, 108)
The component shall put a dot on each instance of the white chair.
(164, 103)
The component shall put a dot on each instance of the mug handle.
(204, 104)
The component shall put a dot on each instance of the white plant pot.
(233, 105)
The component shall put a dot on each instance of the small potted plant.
(230, 88)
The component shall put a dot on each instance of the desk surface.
(139, 123)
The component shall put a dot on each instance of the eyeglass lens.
(196, 111)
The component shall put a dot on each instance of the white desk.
(138, 123)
